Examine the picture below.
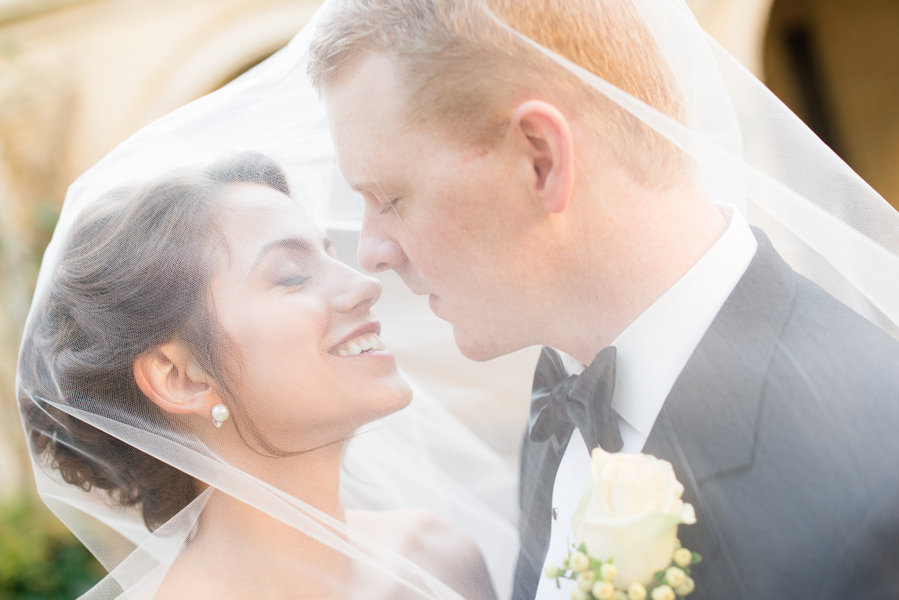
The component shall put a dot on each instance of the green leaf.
(39, 558)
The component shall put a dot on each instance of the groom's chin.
(480, 347)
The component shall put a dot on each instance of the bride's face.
(311, 366)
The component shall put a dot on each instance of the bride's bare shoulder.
(196, 574)
(178, 583)
(408, 531)
(433, 543)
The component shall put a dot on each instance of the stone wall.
(851, 46)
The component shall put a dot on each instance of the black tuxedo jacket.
(784, 429)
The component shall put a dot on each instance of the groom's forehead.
(369, 97)
(371, 119)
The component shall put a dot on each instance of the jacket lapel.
(708, 424)
(714, 404)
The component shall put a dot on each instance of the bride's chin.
(398, 399)
(405, 394)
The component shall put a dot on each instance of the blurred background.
(79, 76)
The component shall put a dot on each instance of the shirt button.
(555, 513)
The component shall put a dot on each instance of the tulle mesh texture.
(348, 490)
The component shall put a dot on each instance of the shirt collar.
(655, 347)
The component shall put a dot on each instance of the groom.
(531, 211)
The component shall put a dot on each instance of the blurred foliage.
(43, 217)
(45, 214)
(39, 557)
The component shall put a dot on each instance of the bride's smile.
(364, 340)
(300, 325)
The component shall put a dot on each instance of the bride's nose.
(356, 290)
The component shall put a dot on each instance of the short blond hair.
(466, 70)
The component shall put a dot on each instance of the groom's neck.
(632, 248)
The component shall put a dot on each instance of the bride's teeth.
(360, 345)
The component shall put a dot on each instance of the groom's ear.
(544, 135)
(168, 376)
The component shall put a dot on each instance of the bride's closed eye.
(291, 269)
(290, 262)
(295, 281)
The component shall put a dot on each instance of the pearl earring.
(220, 414)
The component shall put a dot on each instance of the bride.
(206, 310)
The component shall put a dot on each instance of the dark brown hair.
(134, 273)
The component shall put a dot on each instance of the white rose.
(630, 512)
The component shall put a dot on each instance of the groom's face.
(446, 215)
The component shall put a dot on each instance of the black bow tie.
(560, 402)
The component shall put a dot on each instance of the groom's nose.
(378, 252)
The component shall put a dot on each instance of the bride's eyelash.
(293, 281)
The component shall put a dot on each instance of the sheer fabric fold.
(406, 476)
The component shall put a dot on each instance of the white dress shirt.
(651, 353)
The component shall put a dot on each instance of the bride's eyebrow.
(296, 245)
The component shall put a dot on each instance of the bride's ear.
(168, 376)
(545, 137)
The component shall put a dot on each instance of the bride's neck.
(313, 478)
(257, 548)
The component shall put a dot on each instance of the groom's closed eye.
(390, 205)
(381, 200)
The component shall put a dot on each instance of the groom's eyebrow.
(296, 245)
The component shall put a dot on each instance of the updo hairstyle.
(134, 273)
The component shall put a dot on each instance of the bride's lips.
(363, 337)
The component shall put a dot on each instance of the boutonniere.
(625, 530)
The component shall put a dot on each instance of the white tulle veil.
(389, 465)
(748, 150)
